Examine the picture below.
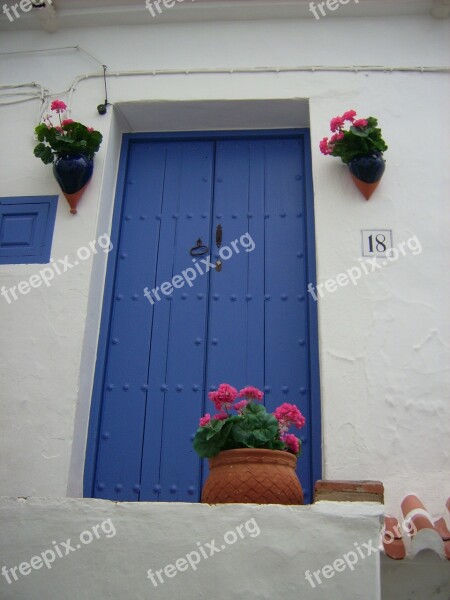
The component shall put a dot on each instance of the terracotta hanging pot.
(252, 475)
(73, 173)
(367, 172)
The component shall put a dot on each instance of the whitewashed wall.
(384, 344)
(228, 552)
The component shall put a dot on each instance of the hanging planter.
(367, 172)
(71, 147)
(252, 457)
(360, 147)
(73, 173)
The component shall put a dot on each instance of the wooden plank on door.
(286, 317)
(124, 397)
(170, 466)
(235, 339)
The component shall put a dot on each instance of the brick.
(349, 491)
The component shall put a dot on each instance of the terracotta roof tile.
(441, 527)
(417, 532)
(393, 544)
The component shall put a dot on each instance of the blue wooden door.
(247, 323)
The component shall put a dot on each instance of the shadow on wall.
(425, 577)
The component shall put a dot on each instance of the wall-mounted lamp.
(46, 13)
(102, 108)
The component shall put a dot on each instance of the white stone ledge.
(268, 559)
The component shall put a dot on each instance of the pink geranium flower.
(58, 106)
(251, 393)
(291, 442)
(67, 122)
(224, 397)
(324, 147)
(337, 123)
(205, 420)
(224, 430)
(90, 129)
(287, 416)
(220, 417)
(353, 137)
(336, 137)
(349, 115)
(240, 405)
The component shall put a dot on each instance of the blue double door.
(209, 286)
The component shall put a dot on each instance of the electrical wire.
(220, 71)
(78, 48)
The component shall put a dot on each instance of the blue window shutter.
(26, 229)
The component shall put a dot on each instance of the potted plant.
(70, 146)
(361, 147)
(252, 456)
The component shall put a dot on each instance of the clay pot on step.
(253, 475)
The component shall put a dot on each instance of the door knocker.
(199, 249)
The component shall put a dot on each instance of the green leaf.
(41, 131)
(277, 444)
(254, 408)
(44, 153)
(359, 132)
(255, 431)
(74, 138)
(65, 139)
(214, 427)
(207, 445)
(203, 447)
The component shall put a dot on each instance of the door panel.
(246, 324)
(286, 356)
(258, 311)
(235, 307)
(157, 219)
(170, 467)
(123, 403)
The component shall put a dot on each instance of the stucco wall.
(89, 549)
(384, 344)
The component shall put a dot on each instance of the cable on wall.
(58, 49)
(43, 95)
(103, 107)
(218, 71)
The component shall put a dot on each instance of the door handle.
(199, 249)
(218, 244)
(219, 236)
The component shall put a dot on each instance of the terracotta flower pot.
(367, 172)
(253, 476)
